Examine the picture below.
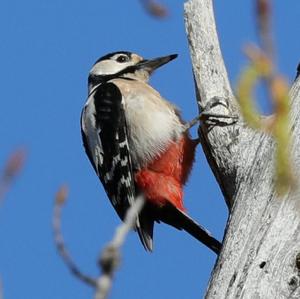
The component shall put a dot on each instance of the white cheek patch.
(107, 67)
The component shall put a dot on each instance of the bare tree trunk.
(262, 238)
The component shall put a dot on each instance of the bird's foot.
(212, 119)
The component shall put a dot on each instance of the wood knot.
(262, 264)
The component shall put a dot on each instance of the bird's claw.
(210, 118)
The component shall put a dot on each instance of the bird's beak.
(153, 64)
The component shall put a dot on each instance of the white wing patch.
(107, 145)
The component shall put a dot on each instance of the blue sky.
(47, 49)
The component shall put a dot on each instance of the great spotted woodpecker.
(137, 142)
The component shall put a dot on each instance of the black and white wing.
(104, 133)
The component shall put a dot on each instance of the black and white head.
(124, 64)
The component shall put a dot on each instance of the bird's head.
(125, 64)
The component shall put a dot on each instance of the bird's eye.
(122, 58)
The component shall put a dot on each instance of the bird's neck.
(139, 75)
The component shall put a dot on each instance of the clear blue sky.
(46, 51)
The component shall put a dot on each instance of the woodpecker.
(138, 143)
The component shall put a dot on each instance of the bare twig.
(263, 67)
(110, 256)
(264, 14)
(155, 9)
(60, 199)
(11, 170)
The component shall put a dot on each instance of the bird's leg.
(209, 118)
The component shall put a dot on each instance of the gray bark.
(262, 237)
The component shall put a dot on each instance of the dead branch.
(60, 199)
(110, 256)
(258, 258)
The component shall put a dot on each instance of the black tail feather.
(181, 220)
(169, 214)
(145, 229)
(201, 234)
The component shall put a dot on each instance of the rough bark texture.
(262, 237)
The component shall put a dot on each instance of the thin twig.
(277, 88)
(11, 170)
(110, 257)
(60, 199)
(263, 67)
(264, 14)
(155, 9)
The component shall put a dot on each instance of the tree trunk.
(260, 256)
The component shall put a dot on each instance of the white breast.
(88, 125)
(153, 123)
